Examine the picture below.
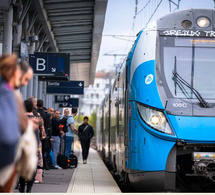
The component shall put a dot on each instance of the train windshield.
(194, 60)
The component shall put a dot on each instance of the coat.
(85, 134)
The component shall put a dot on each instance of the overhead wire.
(132, 27)
(148, 10)
(131, 34)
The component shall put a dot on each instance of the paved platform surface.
(54, 181)
(92, 177)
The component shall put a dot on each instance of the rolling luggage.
(62, 161)
(61, 158)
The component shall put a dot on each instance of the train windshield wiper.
(180, 82)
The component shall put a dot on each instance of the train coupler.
(204, 165)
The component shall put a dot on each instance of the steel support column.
(35, 86)
(32, 84)
(17, 35)
(44, 96)
(8, 31)
(40, 94)
(25, 24)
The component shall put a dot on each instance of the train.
(156, 127)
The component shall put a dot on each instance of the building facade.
(94, 94)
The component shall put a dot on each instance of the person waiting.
(71, 132)
(56, 133)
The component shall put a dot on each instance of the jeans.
(55, 147)
(68, 146)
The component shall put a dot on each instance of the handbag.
(46, 145)
(52, 157)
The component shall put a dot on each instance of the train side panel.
(106, 129)
(113, 123)
(120, 103)
(99, 127)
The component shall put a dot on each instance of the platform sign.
(70, 87)
(73, 102)
(63, 98)
(50, 63)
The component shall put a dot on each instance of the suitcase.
(73, 160)
(62, 160)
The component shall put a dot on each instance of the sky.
(120, 20)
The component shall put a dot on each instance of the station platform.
(92, 177)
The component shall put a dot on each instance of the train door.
(108, 126)
(106, 134)
(113, 124)
(116, 107)
(121, 123)
(103, 130)
(99, 129)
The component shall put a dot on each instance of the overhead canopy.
(70, 26)
(77, 26)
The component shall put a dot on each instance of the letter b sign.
(40, 64)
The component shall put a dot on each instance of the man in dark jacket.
(46, 117)
(85, 133)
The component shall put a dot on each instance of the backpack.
(73, 160)
(63, 122)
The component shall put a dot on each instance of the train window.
(194, 61)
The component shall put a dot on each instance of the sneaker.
(85, 162)
(35, 181)
(58, 167)
(53, 167)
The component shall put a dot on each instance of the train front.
(172, 104)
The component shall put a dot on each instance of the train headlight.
(203, 22)
(186, 24)
(154, 118)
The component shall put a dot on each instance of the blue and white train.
(157, 126)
